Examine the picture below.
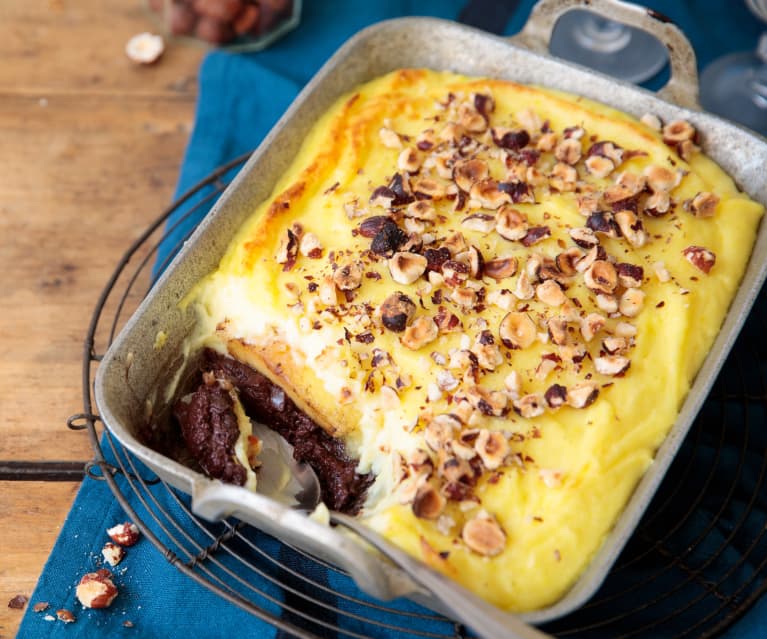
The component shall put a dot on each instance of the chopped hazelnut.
(287, 250)
(517, 330)
(529, 119)
(657, 204)
(96, 589)
(327, 291)
(582, 395)
(601, 277)
(524, 289)
(513, 384)
(510, 223)
(310, 246)
(547, 141)
(503, 299)
(598, 166)
(492, 448)
(428, 503)
(563, 177)
(430, 188)
(348, 277)
(651, 120)
(591, 325)
(607, 303)
(488, 194)
(112, 553)
(421, 332)
(631, 302)
(396, 311)
(456, 243)
(500, 267)
(421, 210)
(125, 534)
(390, 139)
(464, 297)
(529, 406)
(488, 354)
(481, 222)
(567, 261)
(471, 120)
(467, 173)
(484, 536)
(704, 204)
(439, 431)
(451, 132)
(661, 272)
(66, 615)
(568, 151)
(678, 131)
(408, 160)
(660, 178)
(550, 293)
(611, 364)
(629, 275)
(700, 257)
(584, 237)
(615, 345)
(631, 227)
(558, 330)
(405, 267)
(555, 396)
(145, 48)
(625, 329)
(626, 185)
(490, 403)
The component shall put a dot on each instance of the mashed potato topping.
(498, 296)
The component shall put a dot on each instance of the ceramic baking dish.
(134, 377)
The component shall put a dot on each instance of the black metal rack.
(696, 564)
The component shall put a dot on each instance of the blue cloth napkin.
(241, 96)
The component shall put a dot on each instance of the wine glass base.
(735, 87)
(631, 54)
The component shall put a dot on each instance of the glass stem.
(600, 34)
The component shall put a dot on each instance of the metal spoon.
(295, 484)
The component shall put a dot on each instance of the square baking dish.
(134, 378)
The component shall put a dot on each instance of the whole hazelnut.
(247, 19)
(213, 31)
(221, 10)
(181, 19)
(96, 589)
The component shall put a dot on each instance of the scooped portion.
(485, 303)
(211, 427)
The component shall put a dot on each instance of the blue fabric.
(241, 96)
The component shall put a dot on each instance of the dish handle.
(214, 500)
(682, 87)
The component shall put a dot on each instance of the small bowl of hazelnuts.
(243, 25)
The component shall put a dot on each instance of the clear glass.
(735, 86)
(610, 47)
(240, 25)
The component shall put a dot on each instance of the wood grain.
(91, 146)
(31, 516)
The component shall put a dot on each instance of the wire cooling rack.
(696, 564)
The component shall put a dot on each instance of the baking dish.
(133, 379)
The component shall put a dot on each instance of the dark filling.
(209, 427)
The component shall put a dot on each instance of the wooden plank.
(91, 146)
(53, 46)
(71, 205)
(31, 515)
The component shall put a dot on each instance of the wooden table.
(90, 146)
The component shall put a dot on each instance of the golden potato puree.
(534, 516)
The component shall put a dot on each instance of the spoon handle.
(485, 619)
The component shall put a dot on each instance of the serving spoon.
(295, 484)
